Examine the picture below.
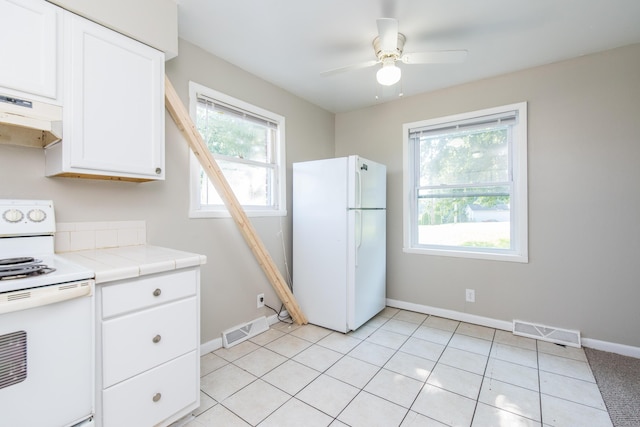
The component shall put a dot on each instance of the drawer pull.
(157, 292)
(156, 397)
(157, 339)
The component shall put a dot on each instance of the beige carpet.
(618, 378)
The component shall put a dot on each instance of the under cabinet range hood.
(28, 122)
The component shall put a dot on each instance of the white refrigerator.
(339, 241)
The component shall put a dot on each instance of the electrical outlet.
(470, 295)
(260, 300)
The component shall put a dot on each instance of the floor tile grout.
(461, 328)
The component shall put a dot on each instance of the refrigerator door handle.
(358, 189)
(358, 231)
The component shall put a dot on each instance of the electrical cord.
(284, 256)
(281, 318)
(285, 319)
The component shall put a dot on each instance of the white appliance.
(339, 241)
(29, 122)
(46, 324)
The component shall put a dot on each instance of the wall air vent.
(547, 333)
(243, 332)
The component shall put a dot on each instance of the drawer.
(154, 396)
(140, 341)
(146, 292)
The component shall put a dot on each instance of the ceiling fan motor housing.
(395, 54)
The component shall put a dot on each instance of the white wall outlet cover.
(470, 295)
(260, 300)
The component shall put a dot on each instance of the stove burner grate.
(16, 261)
(19, 268)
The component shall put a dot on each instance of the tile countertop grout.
(127, 262)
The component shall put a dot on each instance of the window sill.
(510, 257)
(226, 214)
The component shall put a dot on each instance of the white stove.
(46, 323)
(55, 269)
(27, 258)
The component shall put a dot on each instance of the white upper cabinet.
(29, 44)
(113, 112)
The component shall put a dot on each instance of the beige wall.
(231, 279)
(584, 198)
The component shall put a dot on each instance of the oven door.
(47, 357)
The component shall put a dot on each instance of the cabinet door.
(114, 103)
(29, 48)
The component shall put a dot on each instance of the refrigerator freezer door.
(367, 184)
(366, 283)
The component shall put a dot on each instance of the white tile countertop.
(128, 262)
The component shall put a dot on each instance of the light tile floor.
(400, 369)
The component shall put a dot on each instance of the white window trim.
(520, 223)
(198, 211)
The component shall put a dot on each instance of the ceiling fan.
(388, 47)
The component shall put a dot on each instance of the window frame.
(519, 197)
(278, 208)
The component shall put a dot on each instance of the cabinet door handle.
(157, 339)
(157, 292)
(158, 171)
(157, 397)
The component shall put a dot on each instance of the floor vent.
(243, 332)
(547, 333)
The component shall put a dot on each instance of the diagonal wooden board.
(194, 139)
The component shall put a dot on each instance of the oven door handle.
(37, 297)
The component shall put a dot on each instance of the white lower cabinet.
(153, 336)
(153, 396)
(148, 361)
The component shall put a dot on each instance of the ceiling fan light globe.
(388, 75)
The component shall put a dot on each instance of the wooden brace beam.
(194, 139)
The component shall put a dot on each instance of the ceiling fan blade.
(388, 32)
(349, 68)
(435, 57)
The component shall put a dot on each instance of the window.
(465, 181)
(247, 143)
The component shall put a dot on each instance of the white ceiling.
(290, 42)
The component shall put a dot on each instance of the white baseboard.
(625, 350)
(450, 314)
(215, 344)
(611, 347)
(210, 346)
